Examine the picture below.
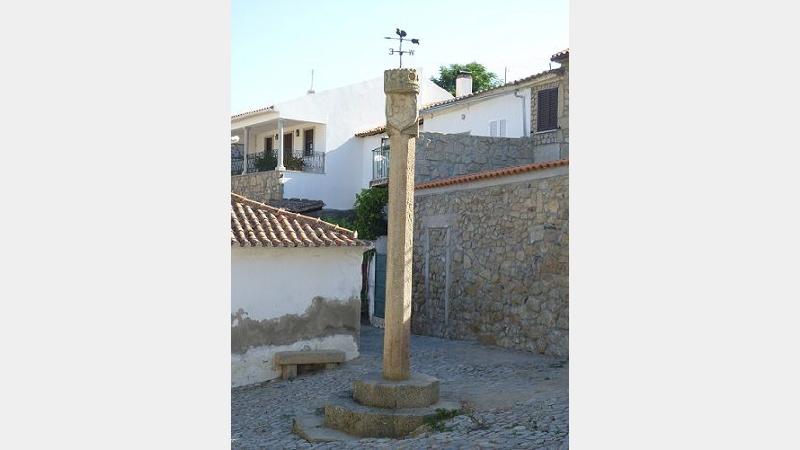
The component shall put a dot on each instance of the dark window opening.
(288, 144)
(308, 142)
(547, 110)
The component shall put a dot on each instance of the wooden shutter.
(502, 128)
(308, 137)
(547, 110)
(493, 128)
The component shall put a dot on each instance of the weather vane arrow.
(402, 38)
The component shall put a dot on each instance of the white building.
(319, 129)
(503, 111)
(295, 284)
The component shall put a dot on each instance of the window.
(497, 128)
(308, 142)
(547, 110)
(268, 143)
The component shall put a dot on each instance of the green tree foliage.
(481, 78)
(368, 208)
(369, 212)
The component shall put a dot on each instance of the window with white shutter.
(497, 128)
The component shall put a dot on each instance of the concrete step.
(345, 414)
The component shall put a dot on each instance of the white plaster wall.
(478, 114)
(345, 111)
(271, 282)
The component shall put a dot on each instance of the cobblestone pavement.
(519, 399)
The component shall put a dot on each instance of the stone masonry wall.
(260, 186)
(446, 155)
(559, 137)
(491, 264)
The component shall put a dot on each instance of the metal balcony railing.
(380, 163)
(256, 162)
(314, 162)
(260, 162)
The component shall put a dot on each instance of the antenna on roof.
(311, 89)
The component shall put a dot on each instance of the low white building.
(506, 110)
(536, 106)
(295, 284)
(318, 129)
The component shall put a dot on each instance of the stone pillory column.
(401, 87)
(395, 402)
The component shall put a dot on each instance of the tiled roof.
(372, 131)
(255, 224)
(478, 93)
(491, 174)
(377, 130)
(563, 54)
(298, 205)
(255, 111)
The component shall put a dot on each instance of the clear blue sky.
(275, 44)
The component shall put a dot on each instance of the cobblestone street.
(519, 399)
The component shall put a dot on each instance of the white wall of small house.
(271, 283)
(344, 111)
(474, 116)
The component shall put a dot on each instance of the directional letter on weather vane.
(400, 51)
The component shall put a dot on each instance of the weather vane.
(402, 35)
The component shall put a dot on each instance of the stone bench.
(287, 362)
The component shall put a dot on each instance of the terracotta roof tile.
(478, 93)
(372, 131)
(377, 130)
(563, 54)
(491, 174)
(255, 224)
(255, 111)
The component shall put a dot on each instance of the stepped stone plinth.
(351, 417)
(377, 408)
(418, 391)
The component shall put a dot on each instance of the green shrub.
(265, 161)
(369, 206)
(292, 162)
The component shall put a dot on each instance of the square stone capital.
(401, 81)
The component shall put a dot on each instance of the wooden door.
(288, 145)
(268, 144)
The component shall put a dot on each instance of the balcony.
(312, 162)
(380, 166)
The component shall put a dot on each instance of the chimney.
(463, 83)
